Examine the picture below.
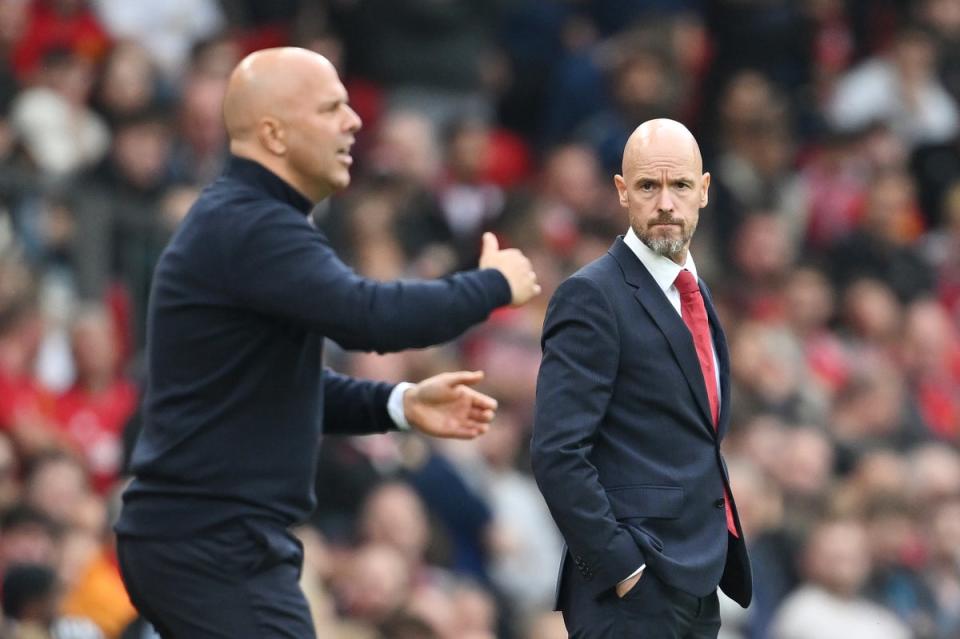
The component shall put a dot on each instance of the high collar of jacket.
(260, 177)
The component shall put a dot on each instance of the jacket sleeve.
(282, 266)
(354, 406)
(576, 380)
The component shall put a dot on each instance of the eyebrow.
(337, 99)
(676, 180)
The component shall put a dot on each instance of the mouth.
(343, 154)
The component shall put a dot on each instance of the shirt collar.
(663, 269)
(260, 177)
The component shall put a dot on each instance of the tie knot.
(686, 282)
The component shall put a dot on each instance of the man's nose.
(664, 201)
(353, 122)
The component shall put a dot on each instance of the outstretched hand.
(445, 406)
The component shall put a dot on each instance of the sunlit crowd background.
(831, 243)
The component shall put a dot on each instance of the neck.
(278, 167)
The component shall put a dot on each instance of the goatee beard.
(671, 249)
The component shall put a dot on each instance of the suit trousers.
(650, 610)
(236, 581)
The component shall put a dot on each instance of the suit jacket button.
(718, 503)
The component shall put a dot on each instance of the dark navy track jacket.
(237, 397)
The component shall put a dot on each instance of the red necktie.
(695, 317)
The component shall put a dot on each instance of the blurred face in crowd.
(944, 532)
(641, 87)
(406, 146)
(890, 206)
(571, 175)
(810, 300)
(469, 151)
(915, 56)
(70, 75)
(94, 347)
(374, 584)
(475, 610)
(759, 499)
(663, 187)
(28, 542)
(13, 21)
(837, 557)
(394, 516)
(807, 462)
(929, 338)
(943, 15)
(127, 81)
(934, 473)
(762, 248)
(200, 114)
(141, 151)
(287, 109)
(871, 310)
(55, 487)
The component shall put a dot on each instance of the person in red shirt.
(58, 24)
(26, 407)
(94, 411)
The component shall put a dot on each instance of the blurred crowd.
(831, 243)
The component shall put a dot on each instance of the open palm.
(446, 406)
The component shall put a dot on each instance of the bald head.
(287, 109)
(660, 137)
(266, 84)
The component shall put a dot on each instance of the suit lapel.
(665, 316)
(723, 357)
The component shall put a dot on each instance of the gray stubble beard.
(670, 249)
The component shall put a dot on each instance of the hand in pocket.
(628, 584)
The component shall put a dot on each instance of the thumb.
(490, 244)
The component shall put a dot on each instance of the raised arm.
(284, 267)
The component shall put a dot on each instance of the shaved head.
(663, 186)
(662, 134)
(265, 84)
(286, 109)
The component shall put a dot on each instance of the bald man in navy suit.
(632, 404)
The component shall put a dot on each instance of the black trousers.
(237, 581)
(651, 610)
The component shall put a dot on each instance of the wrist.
(400, 405)
(409, 403)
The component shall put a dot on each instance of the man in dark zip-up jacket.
(237, 397)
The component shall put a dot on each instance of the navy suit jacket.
(623, 447)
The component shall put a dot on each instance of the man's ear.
(272, 136)
(621, 185)
(704, 190)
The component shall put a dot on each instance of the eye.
(646, 187)
(683, 185)
(330, 107)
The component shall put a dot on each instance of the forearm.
(355, 407)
